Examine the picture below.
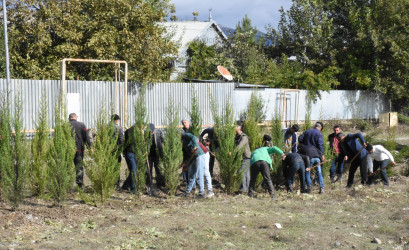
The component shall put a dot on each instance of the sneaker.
(349, 186)
(251, 195)
(210, 194)
(321, 191)
(332, 179)
(290, 189)
(273, 197)
(308, 190)
(200, 196)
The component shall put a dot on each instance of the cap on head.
(184, 120)
(267, 137)
(115, 117)
(72, 116)
(295, 127)
(369, 147)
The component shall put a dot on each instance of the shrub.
(102, 165)
(195, 115)
(39, 148)
(60, 165)
(278, 140)
(254, 115)
(142, 141)
(228, 156)
(172, 149)
(16, 164)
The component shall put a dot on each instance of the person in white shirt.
(378, 157)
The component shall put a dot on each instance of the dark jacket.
(158, 143)
(294, 139)
(211, 136)
(189, 143)
(129, 143)
(292, 158)
(310, 151)
(312, 137)
(331, 140)
(120, 131)
(81, 135)
(350, 146)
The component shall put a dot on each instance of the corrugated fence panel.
(335, 104)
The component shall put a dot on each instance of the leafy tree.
(16, 165)
(172, 149)
(142, 141)
(46, 31)
(60, 164)
(102, 166)
(227, 155)
(39, 148)
(202, 61)
(277, 140)
(195, 114)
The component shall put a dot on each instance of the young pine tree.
(39, 148)
(254, 115)
(14, 170)
(172, 149)
(278, 140)
(60, 165)
(227, 155)
(102, 166)
(5, 136)
(142, 141)
(195, 114)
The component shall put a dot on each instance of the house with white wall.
(185, 32)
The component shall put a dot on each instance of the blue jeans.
(315, 161)
(337, 162)
(130, 182)
(196, 168)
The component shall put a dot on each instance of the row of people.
(309, 153)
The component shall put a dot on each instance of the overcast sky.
(229, 12)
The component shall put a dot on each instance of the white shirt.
(379, 154)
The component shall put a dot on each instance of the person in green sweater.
(260, 161)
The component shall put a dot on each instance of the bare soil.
(344, 218)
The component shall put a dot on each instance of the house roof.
(187, 31)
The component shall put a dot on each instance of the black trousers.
(79, 168)
(160, 179)
(361, 163)
(291, 171)
(264, 168)
(211, 164)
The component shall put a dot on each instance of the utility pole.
(6, 45)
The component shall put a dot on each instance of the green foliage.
(202, 62)
(142, 141)
(16, 155)
(172, 149)
(39, 149)
(102, 165)
(195, 115)
(403, 119)
(390, 143)
(44, 32)
(253, 116)
(60, 164)
(278, 141)
(5, 135)
(227, 155)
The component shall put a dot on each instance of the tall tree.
(46, 31)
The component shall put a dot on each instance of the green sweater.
(263, 154)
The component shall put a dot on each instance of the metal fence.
(86, 97)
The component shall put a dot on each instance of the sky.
(229, 12)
